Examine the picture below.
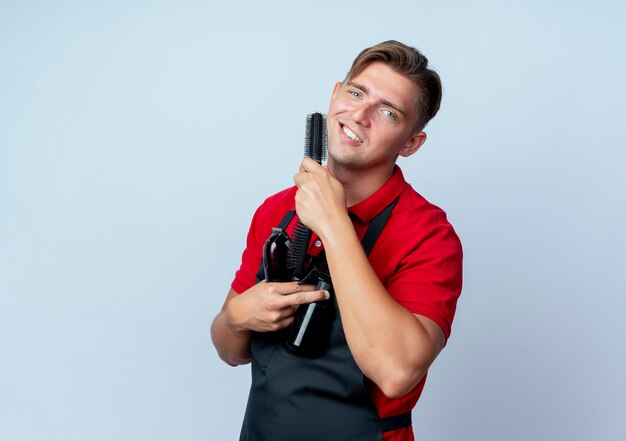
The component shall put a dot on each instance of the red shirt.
(418, 258)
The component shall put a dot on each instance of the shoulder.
(420, 219)
(278, 203)
(272, 210)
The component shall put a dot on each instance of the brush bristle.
(316, 137)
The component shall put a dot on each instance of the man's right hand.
(271, 306)
(265, 307)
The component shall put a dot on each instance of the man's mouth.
(353, 136)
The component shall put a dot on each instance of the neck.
(358, 185)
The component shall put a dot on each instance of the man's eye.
(355, 93)
(389, 114)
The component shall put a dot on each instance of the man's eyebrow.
(364, 88)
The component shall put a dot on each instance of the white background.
(137, 138)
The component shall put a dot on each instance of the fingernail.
(326, 294)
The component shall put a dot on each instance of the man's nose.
(361, 114)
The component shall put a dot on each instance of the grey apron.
(298, 398)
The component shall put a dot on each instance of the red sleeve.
(245, 277)
(268, 215)
(429, 278)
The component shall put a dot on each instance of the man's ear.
(413, 144)
(336, 88)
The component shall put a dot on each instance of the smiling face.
(371, 120)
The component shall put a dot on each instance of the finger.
(286, 288)
(304, 297)
(309, 165)
(300, 179)
(297, 179)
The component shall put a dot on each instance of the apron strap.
(371, 235)
(287, 219)
(395, 422)
(369, 239)
(376, 227)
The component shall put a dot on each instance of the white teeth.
(351, 134)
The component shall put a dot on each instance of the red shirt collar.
(365, 210)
